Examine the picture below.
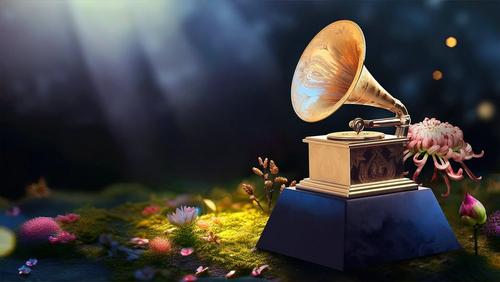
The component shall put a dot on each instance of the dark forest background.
(98, 92)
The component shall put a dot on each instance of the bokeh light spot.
(451, 42)
(437, 75)
(485, 110)
(7, 241)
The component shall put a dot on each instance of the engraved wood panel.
(376, 163)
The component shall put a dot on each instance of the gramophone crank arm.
(401, 123)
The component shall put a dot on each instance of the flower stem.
(475, 239)
(260, 206)
(270, 199)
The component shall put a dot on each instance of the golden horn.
(331, 73)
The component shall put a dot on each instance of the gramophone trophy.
(356, 208)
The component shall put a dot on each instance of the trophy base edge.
(358, 190)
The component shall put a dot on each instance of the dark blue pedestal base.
(353, 233)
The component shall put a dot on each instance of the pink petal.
(434, 174)
(442, 164)
(53, 240)
(257, 271)
(454, 175)
(231, 274)
(469, 172)
(189, 278)
(478, 155)
(186, 251)
(200, 270)
(448, 185)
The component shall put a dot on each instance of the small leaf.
(210, 204)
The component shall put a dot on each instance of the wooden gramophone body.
(356, 168)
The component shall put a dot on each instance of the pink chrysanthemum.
(442, 142)
(38, 229)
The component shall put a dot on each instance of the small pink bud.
(472, 211)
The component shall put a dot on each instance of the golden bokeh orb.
(437, 75)
(7, 241)
(451, 42)
(485, 110)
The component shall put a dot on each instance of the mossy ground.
(237, 231)
(238, 225)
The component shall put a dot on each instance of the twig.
(475, 239)
(258, 203)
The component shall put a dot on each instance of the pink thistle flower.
(184, 216)
(442, 142)
(68, 218)
(160, 245)
(38, 229)
(150, 210)
(62, 237)
(186, 251)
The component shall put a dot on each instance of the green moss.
(238, 226)
(185, 236)
(91, 251)
(238, 233)
(92, 223)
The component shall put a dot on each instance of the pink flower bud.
(472, 211)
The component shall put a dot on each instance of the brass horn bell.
(331, 73)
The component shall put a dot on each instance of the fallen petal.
(186, 251)
(257, 271)
(24, 270)
(31, 262)
(189, 278)
(201, 270)
(203, 224)
(139, 242)
(13, 211)
(53, 239)
(231, 274)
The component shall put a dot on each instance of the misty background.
(161, 92)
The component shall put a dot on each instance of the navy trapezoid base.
(346, 233)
